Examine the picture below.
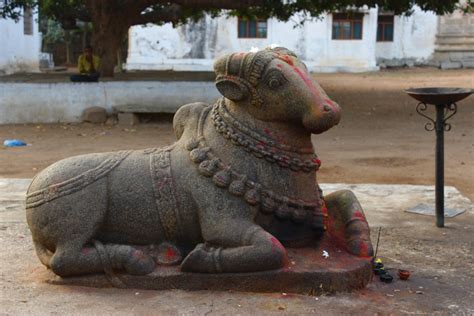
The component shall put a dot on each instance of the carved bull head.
(274, 85)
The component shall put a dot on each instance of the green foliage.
(67, 12)
(467, 6)
(52, 32)
(284, 10)
(14, 9)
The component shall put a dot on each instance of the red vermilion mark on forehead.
(309, 83)
(287, 59)
(320, 96)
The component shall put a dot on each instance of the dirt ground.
(381, 139)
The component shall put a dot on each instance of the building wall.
(64, 102)
(194, 46)
(414, 38)
(455, 40)
(19, 52)
(327, 55)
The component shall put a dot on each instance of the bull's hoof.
(139, 263)
(201, 259)
(166, 254)
(360, 247)
(357, 237)
(347, 223)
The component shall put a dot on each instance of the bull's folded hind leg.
(348, 224)
(68, 225)
(256, 250)
(70, 260)
(124, 257)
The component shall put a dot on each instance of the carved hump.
(186, 117)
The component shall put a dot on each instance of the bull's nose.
(327, 108)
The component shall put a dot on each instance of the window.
(347, 26)
(252, 28)
(385, 28)
(28, 21)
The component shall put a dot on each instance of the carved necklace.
(238, 184)
(259, 145)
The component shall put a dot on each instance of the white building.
(20, 44)
(337, 42)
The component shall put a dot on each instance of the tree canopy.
(111, 19)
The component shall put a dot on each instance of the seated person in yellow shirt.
(88, 65)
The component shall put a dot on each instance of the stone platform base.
(308, 273)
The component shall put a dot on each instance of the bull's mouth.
(319, 124)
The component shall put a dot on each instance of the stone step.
(143, 108)
(462, 59)
(128, 114)
(457, 40)
(455, 48)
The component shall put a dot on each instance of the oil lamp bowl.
(438, 95)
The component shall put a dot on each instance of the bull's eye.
(274, 83)
(275, 79)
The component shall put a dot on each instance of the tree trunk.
(68, 41)
(84, 37)
(68, 53)
(106, 45)
(110, 24)
(119, 60)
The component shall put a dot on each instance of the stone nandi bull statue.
(235, 189)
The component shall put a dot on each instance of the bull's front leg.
(347, 224)
(235, 246)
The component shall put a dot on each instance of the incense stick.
(377, 246)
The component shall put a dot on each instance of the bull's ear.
(231, 88)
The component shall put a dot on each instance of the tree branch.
(172, 14)
(216, 4)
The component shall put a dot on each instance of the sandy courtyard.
(380, 140)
